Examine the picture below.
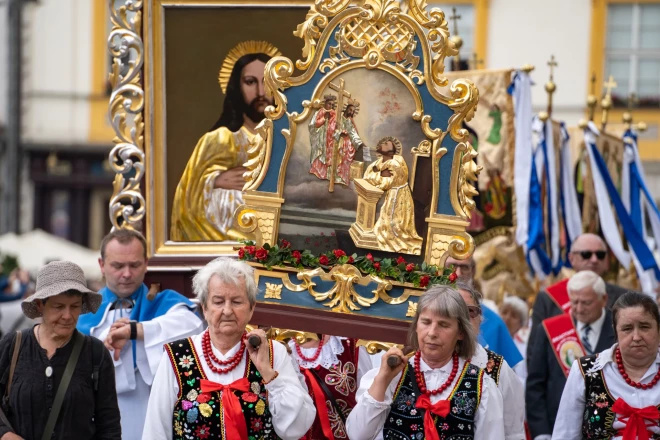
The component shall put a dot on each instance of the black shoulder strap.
(329, 395)
(97, 358)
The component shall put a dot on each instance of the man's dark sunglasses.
(474, 311)
(587, 254)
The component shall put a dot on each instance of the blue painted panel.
(379, 309)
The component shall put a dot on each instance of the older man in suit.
(588, 252)
(561, 339)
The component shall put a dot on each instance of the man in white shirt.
(563, 339)
(134, 326)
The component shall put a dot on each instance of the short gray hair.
(477, 297)
(519, 306)
(229, 271)
(446, 301)
(587, 278)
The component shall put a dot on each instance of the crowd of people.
(123, 363)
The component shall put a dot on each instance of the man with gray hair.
(588, 252)
(565, 338)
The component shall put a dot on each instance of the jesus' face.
(350, 111)
(253, 90)
(386, 148)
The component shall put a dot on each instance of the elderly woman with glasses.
(436, 393)
(63, 383)
(217, 384)
(498, 369)
(615, 393)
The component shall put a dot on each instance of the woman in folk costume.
(498, 369)
(614, 394)
(216, 385)
(435, 394)
(332, 368)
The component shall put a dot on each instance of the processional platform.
(358, 181)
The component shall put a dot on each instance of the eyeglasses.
(586, 255)
(474, 311)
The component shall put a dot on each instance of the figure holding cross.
(347, 139)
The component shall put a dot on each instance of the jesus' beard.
(253, 111)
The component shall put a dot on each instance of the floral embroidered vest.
(598, 415)
(341, 380)
(199, 415)
(494, 366)
(405, 422)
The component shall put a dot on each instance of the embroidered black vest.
(494, 366)
(405, 422)
(598, 416)
(199, 416)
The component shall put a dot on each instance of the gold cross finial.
(455, 17)
(552, 63)
(609, 85)
(627, 115)
(632, 100)
(592, 100)
(476, 61)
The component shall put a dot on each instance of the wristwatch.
(133, 325)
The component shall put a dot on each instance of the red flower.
(339, 253)
(323, 260)
(203, 432)
(203, 398)
(423, 282)
(350, 260)
(377, 266)
(400, 260)
(249, 397)
(452, 277)
(410, 267)
(251, 250)
(370, 257)
(241, 253)
(261, 254)
(284, 244)
(296, 255)
(256, 425)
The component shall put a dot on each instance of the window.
(632, 51)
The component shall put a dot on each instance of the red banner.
(559, 294)
(564, 340)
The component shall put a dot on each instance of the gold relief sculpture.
(284, 335)
(374, 347)
(412, 309)
(273, 291)
(259, 221)
(211, 187)
(395, 229)
(127, 204)
(464, 174)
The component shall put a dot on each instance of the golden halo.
(242, 49)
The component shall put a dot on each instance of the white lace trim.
(326, 359)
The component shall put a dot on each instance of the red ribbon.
(234, 421)
(319, 401)
(635, 419)
(440, 408)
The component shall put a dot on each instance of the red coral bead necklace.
(210, 358)
(629, 381)
(421, 382)
(316, 355)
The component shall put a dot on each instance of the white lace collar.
(328, 357)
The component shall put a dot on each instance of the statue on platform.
(322, 128)
(395, 227)
(349, 141)
(211, 186)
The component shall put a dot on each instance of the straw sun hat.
(58, 277)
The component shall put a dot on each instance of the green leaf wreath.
(281, 255)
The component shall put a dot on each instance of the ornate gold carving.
(412, 309)
(444, 242)
(465, 173)
(127, 204)
(374, 347)
(259, 156)
(284, 335)
(273, 291)
(259, 221)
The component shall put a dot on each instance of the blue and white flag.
(608, 196)
(633, 188)
(521, 90)
(570, 207)
(543, 169)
